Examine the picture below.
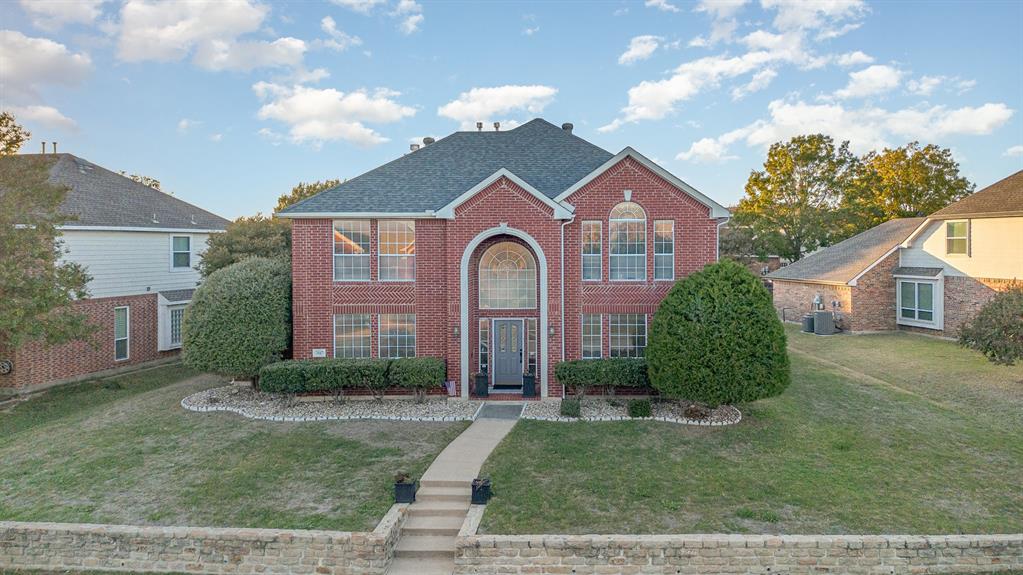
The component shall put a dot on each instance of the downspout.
(565, 223)
(717, 247)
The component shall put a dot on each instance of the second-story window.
(397, 245)
(627, 239)
(664, 249)
(957, 238)
(591, 251)
(181, 252)
(351, 250)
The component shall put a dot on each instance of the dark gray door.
(507, 352)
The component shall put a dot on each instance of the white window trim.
(646, 246)
(673, 262)
(646, 336)
(191, 253)
(600, 254)
(381, 255)
(600, 336)
(380, 335)
(127, 333)
(333, 256)
(968, 238)
(170, 323)
(937, 299)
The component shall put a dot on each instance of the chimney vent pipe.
(44, 147)
(497, 126)
(54, 147)
(479, 126)
(567, 126)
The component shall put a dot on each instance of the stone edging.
(283, 418)
(736, 418)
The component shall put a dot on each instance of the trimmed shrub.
(716, 339)
(997, 331)
(239, 319)
(612, 372)
(419, 374)
(640, 408)
(571, 407)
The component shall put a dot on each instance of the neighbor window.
(122, 332)
(916, 301)
(591, 251)
(627, 239)
(177, 315)
(957, 238)
(351, 250)
(398, 335)
(397, 245)
(484, 345)
(352, 335)
(664, 250)
(591, 335)
(627, 334)
(507, 277)
(181, 252)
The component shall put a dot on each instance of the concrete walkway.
(427, 543)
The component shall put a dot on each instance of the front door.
(508, 352)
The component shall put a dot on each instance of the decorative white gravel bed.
(256, 405)
(614, 409)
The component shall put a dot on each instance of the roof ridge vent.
(428, 140)
(155, 221)
(567, 126)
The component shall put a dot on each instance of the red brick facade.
(37, 363)
(435, 296)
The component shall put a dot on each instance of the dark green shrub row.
(570, 408)
(997, 331)
(417, 374)
(640, 408)
(611, 372)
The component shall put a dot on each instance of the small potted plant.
(482, 384)
(404, 488)
(481, 491)
(529, 384)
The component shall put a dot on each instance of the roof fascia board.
(801, 281)
(976, 216)
(136, 229)
(561, 211)
(857, 277)
(716, 209)
(908, 242)
(344, 215)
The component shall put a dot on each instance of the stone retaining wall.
(736, 554)
(74, 546)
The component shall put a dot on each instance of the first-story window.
(352, 335)
(916, 300)
(122, 332)
(530, 366)
(397, 248)
(591, 251)
(591, 335)
(664, 249)
(484, 345)
(351, 250)
(177, 316)
(397, 335)
(181, 252)
(627, 334)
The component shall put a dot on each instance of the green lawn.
(124, 451)
(897, 434)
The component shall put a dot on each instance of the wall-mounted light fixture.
(455, 331)
(550, 331)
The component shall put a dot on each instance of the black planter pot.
(481, 492)
(529, 385)
(482, 385)
(405, 492)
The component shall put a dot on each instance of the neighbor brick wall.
(965, 296)
(873, 297)
(792, 300)
(37, 363)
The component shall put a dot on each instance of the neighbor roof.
(97, 197)
(545, 156)
(1000, 199)
(842, 262)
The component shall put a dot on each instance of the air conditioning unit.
(823, 323)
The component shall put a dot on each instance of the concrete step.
(444, 494)
(426, 547)
(424, 483)
(436, 525)
(414, 566)
(439, 508)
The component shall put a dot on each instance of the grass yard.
(124, 451)
(888, 434)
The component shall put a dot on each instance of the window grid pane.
(591, 335)
(507, 278)
(484, 345)
(397, 335)
(121, 333)
(397, 241)
(351, 250)
(352, 335)
(181, 253)
(591, 254)
(664, 249)
(627, 334)
(530, 345)
(627, 242)
(176, 316)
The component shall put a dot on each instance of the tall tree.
(12, 135)
(37, 288)
(793, 203)
(256, 236)
(303, 191)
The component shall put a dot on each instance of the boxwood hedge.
(417, 375)
(611, 372)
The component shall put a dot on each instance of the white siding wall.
(128, 263)
(996, 250)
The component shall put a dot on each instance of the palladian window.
(507, 277)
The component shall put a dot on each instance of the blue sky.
(230, 103)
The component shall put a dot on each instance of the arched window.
(627, 240)
(507, 277)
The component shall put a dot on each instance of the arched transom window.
(507, 277)
(627, 240)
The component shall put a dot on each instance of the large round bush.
(716, 339)
(997, 331)
(239, 319)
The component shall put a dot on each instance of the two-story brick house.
(501, 252)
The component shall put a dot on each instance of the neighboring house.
(501, 252)
(924, 274)
(141, 247)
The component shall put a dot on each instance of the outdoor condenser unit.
(823, 323)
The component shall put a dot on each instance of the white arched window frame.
(507, 277)
(627, 242)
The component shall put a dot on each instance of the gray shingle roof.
(101, 198)
(841, 262)
(176, 295)
(1004, 197)
(545, 156)
(916, 271)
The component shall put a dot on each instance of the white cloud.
(360, 6)
(640, 48)
(662, 5)
(926, 85)
(319, 115)
(1014, 152)
(483, 104)
(216, 138)
(27, 64)
(856, 58)
(46, 116)
(339, 40)
(876, 79)
(760, 80)
(245, 56)
(171, 31)
(824, 15)
(724, 23)
(185, 125)
(530, 31)
(411, 14)
(53, 15)
(709, 150)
